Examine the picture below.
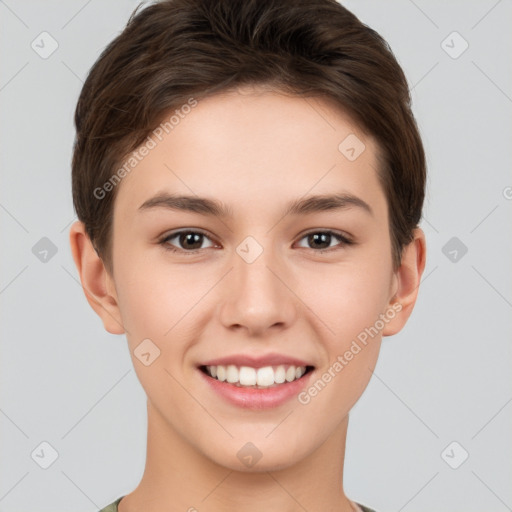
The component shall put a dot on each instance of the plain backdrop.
(432, 430)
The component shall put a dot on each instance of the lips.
(256, 382)
(257, 397)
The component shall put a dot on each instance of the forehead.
(253, 147)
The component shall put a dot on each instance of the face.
(250, 270)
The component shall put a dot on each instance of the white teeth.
(247, 376)
(265, 376)
(232, 374)
(290, 374)
(256, 377)
(221, 372)
(279, 374)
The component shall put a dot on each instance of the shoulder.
(366, 509)
(113, 506)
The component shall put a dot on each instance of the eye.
(322, 240)
(189, 241)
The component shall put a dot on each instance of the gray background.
(446, 377)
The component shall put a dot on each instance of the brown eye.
(322, 240)
(190, 240)
(186, 241)
(319, 240)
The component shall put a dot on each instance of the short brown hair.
(173, 50)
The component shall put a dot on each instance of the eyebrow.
(205, 206)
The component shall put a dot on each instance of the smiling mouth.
(257, 378)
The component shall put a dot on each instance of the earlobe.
(96, 282)
(408, 277)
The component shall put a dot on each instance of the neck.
(179, 478)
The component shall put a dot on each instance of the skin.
(255, 150)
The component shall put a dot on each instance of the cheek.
(348, 304)
(347, 300)
(154, 306)
(153, 298)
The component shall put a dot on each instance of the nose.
(256, 296)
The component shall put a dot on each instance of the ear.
(406, 283)
(97, 283)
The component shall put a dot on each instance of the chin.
(258, 457)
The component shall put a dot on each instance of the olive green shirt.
(113, 507)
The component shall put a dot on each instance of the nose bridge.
(256, 297)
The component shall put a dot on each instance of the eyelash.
(164, 241)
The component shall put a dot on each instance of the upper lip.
(256, 361)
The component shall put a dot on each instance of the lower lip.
(253, 398)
